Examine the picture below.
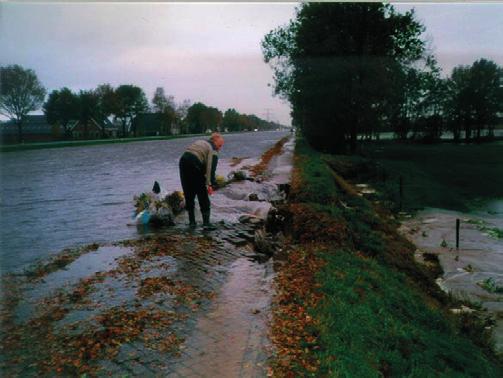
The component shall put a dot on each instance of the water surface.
(58, 198)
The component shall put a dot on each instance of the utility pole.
(268, 113)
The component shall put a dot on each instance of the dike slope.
(350, 298)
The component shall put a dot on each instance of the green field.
(455, 177)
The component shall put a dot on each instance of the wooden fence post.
(401, 191)
(457, 233)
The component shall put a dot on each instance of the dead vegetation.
(266, 157)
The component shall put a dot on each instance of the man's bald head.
(218, 140)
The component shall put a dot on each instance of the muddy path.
(174, 302)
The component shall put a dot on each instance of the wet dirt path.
(177, 302)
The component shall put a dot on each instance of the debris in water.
(253, 197)
(462, 310)
(158, 208)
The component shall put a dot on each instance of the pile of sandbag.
(157, 207)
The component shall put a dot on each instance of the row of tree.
(356, 69)
(22, 92)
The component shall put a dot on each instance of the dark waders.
(192, 176)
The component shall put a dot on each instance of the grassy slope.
(377, 313)
(442, 175)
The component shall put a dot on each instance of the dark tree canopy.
(201, 118)
(61, 107)
(20, 93)
(193, 118)
(335, 63)
(107, 100)
(231, 120)
(88, 109)
(475, 97)
(130, 101)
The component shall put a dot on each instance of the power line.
(268, 114)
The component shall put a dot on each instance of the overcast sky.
(208, 52)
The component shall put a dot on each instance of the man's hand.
(210, 190)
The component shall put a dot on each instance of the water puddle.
(103, 259)
(230, 340)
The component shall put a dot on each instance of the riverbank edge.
(78, 143)
(350, 298)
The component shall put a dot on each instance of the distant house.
(111, 129)
(93, 129)
(35, 129)
(152, 124)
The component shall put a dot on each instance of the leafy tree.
(434, 101)
(458, 107)
(254, 122)
(181, 111)
(427, 92)
(487, 89)
(201, 118)
(212, 119)
(231, 120)
(334, 63)
(130, 101)
(165, 108)
(193, 118)
(107, 103)
(61, 107)
(20, 93)
(88, 109)
(475, 97)
(234, 121)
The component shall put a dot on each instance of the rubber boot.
(192, 218)
(206, 221)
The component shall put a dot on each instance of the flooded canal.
(66, 197)
(169, 302)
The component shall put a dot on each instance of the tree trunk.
(19, 131)
(65, 131)
(490, 133)
(467, 132)
(353, 141)
(455, 134)
(133, 127)
(86, 132)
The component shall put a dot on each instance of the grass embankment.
(446, 176)
(350, 299)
